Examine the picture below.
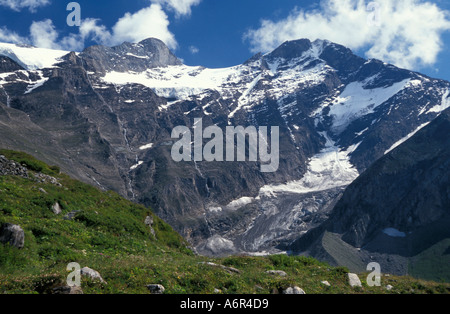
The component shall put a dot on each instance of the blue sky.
(216, 33)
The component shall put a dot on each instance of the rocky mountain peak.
(291, 49)
(311, 53)
(138, 57)
(341, 58)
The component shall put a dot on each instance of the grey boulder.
(294, 290)
(56, 208)
(92, 274)
(277, 273)
(353, 280)
(156, 289)
(12, 234)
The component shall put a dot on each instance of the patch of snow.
(169, 104)
(392, 232)
(355, 102)
(414, 83)
(331, 168)
(445, 103)
(273, 67)
(215, 209)
(362, 132)
(370, 80)
(423, 109)
(317, 48)
(96, 86)
(236, 204)
(32, 85)
(136, 165)
(179, 82)
(35, 85)
(400, 142)
(296, 77)
(182, 93)
(140, 57)
(246, 96)
(351, 149)
(147, 146)
(32, 58)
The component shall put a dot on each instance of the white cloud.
(148, 22)
(404, 32)
(194, 50)
(151, 21)
(17, 5)
(11, 37)
(44, 35)
(181, 7)
(89, 29)
(99, 33)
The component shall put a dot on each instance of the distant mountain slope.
(398, 211)
(105, 115)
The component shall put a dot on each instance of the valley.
(105, 116)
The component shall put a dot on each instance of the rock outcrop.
(229, 269)
(280, 273)
(12, 235)
(294, 290)
(353, 280)
(149, 222)
(156, 289)
(92, 274)
(56, 208)
(12, 168)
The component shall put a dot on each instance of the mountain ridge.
(112, 128)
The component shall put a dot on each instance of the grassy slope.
(432, 264)
(109, 235)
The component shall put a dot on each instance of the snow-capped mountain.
(105, 115)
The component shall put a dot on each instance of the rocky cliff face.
(105, 115)
(149, 53)
(406, 190)
(397, 212)
(7, 65)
